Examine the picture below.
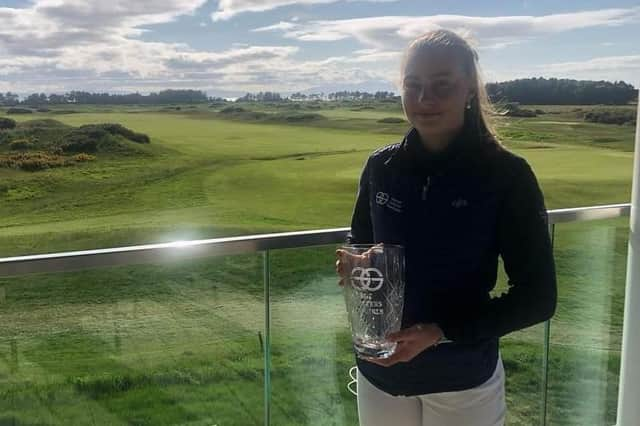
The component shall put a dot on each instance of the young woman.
(460, 201)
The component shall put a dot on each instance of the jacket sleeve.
(361, 229)
(525, 247)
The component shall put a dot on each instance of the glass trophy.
(374, 295)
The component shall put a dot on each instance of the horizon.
(227, 48)
(286, 95)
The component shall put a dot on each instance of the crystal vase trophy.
(374, 296)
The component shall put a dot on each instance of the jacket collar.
(412, 155)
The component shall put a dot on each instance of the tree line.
(555, 91)
(334, 96)
(541, 91)
(80, 97)
(346, 95)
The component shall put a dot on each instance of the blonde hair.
(478, 116)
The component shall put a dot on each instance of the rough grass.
(44, 143)
(35, 161)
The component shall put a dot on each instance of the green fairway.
(210, 177)
(182, 343)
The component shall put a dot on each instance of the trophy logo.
(367, 279)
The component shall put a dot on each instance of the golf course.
(182, 343)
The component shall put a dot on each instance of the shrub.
(517, 112)
(35, 161)
(43, 110)
(83, 139)
(512, 109)
(391, 120)
(605, 140)
(118, 129)
(43, 134)
(300, 117)
(7, 123)
(65, 111)
(99, 137)
(20, 144)
(77, 144)
(32, 161)
(19, 111)
(40, 123)
(611, 117)
(232, 110)
(82, 157)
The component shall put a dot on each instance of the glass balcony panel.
(184, 342)
(587, 328)
(522, 355)
(311, 349)
(310, 341)
(152, 344)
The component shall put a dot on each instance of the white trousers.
(483, 405)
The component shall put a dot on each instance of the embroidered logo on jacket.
(459, 202)
(384, 199)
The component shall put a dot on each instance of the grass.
(219, 176)
(181, 343)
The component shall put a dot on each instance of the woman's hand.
(411, 341)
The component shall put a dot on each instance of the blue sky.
(229, 47)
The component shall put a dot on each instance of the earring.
(468, 106)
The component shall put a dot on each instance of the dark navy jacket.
(455, 213)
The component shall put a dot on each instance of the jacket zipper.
(425, 188)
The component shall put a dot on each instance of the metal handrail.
(162, 252)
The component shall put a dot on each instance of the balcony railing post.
(629, 389)
(545, 354)
(545, 373)
(267, 337)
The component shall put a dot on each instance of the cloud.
(393, 32)
(229, 8)
(373, 55)
(286, 26)
(114, 13)
(138, 59)
(385, 37)
(93, 44)
(53, 24)
(61, 45)
(248, 55)
(602, 65)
